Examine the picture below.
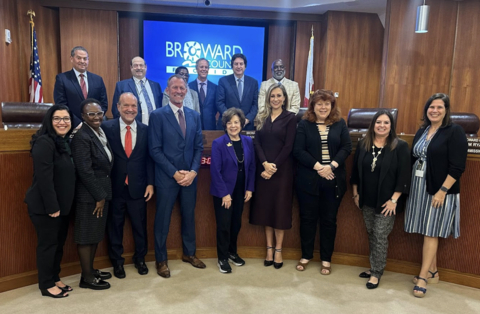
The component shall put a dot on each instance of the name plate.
(473, 145)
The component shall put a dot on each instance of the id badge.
(419, 171)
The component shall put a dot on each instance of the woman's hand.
(326, 172)
(54, 214)
(389, 208)
(248, 196)
(438, 199)
(269, 167)
(99, 208)
(356, 200)
(227, 201)
(265, 175)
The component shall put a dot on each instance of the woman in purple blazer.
(233, 176)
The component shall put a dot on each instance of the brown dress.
(272, 200)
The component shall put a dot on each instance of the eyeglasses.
(58, 119)
(95, 114)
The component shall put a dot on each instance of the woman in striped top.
(321, 146)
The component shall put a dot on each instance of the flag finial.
(312, 25)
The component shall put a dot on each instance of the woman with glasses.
(191, 97)
(50, 196)
(93, 159)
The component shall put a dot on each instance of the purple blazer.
(223, 167)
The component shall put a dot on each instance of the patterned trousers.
(378, 229)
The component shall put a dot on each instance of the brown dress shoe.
(162, 269)
(194, 261)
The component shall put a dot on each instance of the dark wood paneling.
(280, 39)
(417, 65)
(128, 44)
(96, 30)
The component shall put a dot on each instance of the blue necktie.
(147, 99)
(240, 89)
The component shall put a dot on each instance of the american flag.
(309, 78)
(35, 82)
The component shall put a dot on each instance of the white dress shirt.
(175, 112)
(133, 131)
(141, 98)
(200, 87)
(85, 78)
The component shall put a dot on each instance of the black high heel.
(268, 263)
(61, 294)
(277, 265)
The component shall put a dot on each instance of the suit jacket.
(53, 185)
(307, 149)
(139, 167)
(224, 166)
(93, 167)
(169, 149)
(227, 97)
(293, 93)
(208, 109)
(67, 92)
(394, 174)
(129, 86)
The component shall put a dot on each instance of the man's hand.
(148, 193)
(178, 176)
(189, 176)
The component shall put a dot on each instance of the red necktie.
(83, 86)
(128, 146)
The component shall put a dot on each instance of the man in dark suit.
(238, 90)
(132, 183)
(207, 92)
(175, 143)
(74, 86)
(148, 93)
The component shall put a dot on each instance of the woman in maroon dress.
(272, 204)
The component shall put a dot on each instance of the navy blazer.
(139, 167)
(227, 97)
(129, 86)
(224, 166)
(208, 110)
(67, 91)
(169, 149)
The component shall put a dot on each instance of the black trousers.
(312, 208)
(51, 235)
(137, 211)
(229, 221)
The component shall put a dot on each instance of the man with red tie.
(74, 86)
(132, 183)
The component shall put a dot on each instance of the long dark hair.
(47, 128)
(392, 139)
(446, 100)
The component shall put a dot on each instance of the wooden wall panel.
(280, 46)
(417, 65)
(96, 30)
(128, 44)
(465, 84)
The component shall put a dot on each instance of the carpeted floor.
(252, 288)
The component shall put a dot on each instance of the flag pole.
(31, 14)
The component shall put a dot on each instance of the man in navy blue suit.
(74, 86)
(148, 92)
(132, 183)
(207, 92)
(175, 143)
(238, 90)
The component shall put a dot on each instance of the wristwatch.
(444, 189)
(393, 201)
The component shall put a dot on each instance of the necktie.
(181, 121)
(147, 99)
(128, 146)
(202, 93)
(240, 89)
(83, 86)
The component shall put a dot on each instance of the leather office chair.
(359, 118)
(20, 115)
(468, 121)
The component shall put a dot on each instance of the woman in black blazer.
(93, 159)
(380, 176)
(50, 196)
(439, 154)
(321, 146)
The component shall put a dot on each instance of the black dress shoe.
(142, 268)
(119, 272)
(267, 263)
(102, 274)
(61, 294)
(373, 285)
(364, 275)
(96, 284)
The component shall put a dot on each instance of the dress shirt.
(85, 78)
(175, 112)
(133, 131)
(200, 87)
(240, 78)
(141, 97)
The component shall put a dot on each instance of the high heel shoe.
(430, 280)
(372, 285)
(61, 294)
(277, 265)
(420, 292)
(268, 263)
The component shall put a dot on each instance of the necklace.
(243, 156)
(374, 162)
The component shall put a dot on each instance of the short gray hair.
(202, 59)
(72, 53)
(178, 76)
(230, 113)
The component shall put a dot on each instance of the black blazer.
(446, 155)
(394, 174)
(67, 91)
(307, 149)
(53, 185)
(93, 167)
(139, 167)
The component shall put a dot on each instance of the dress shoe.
(194, 261)
(66, 288)
(119, 272)
(142, 268)
(102, 274)
(373, 285)
(277, 265)
(96, 284)
(162, 269)
(61, 294)
(364, 275)
(266, 262)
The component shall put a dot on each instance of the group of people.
(112, 168)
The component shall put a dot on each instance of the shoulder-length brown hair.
(392, 139)
(446, 100)
(325, 95)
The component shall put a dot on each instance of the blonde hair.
(267, 111)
